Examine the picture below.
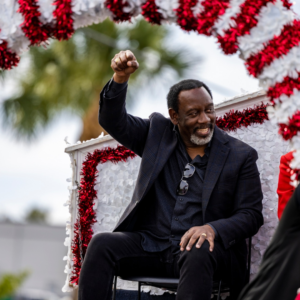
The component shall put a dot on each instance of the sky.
(34, 174)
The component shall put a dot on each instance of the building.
(38, 248)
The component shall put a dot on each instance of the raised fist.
(123, 64)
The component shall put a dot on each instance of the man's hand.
(199, 234)
(124, 64)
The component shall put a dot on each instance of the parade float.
(104, 174)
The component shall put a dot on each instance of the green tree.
(9, 283)
(36, 215)
(69, 75)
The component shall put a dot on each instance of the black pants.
(121, 253)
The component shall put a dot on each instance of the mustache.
(204, 126)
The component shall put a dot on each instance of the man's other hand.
(124, 64)
(197, 234)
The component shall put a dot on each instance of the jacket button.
(176, 219)
(172, 236)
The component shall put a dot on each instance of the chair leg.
(115, 288)
(139, 291)
(219, 292)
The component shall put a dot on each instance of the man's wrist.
(113, 89)
(120, 79)
(214, 229)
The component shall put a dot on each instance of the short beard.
(201, 141)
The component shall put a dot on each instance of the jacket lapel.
(164, 150)
(217, 158)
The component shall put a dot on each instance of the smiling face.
(196, 117)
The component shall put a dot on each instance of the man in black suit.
(197, 198)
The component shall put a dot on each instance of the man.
(197, 198)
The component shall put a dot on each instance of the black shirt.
(166, 216)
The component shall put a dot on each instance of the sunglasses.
(183, 186)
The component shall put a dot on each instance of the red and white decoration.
(87, 204)
(265, 33)
(107, 179)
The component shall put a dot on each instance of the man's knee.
(197, 257)
(102, 242)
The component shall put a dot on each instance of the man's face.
(196, 116)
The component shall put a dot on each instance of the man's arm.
(130, 131)
(114, 88)
(247, 215)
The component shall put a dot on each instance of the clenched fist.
(124, 64)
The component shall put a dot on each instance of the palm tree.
(69, 75)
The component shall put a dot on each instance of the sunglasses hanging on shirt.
(183, 186)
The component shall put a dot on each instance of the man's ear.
(173, 116)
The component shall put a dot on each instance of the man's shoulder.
(159, 119)
(238, 145)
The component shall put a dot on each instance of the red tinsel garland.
(286, 87)
(233, 120)
(32, 26)
(87, 194)
(278, 46)
(287, 4)
(150, 13)
(244, 21)
(185, 16)
(35, 31)
(212, 9)
(8, 59)
(116, 7)
(288, 131)
(63, 29)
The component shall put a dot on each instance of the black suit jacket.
(232, 196)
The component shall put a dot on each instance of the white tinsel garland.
(225, 21)
(287, 65)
